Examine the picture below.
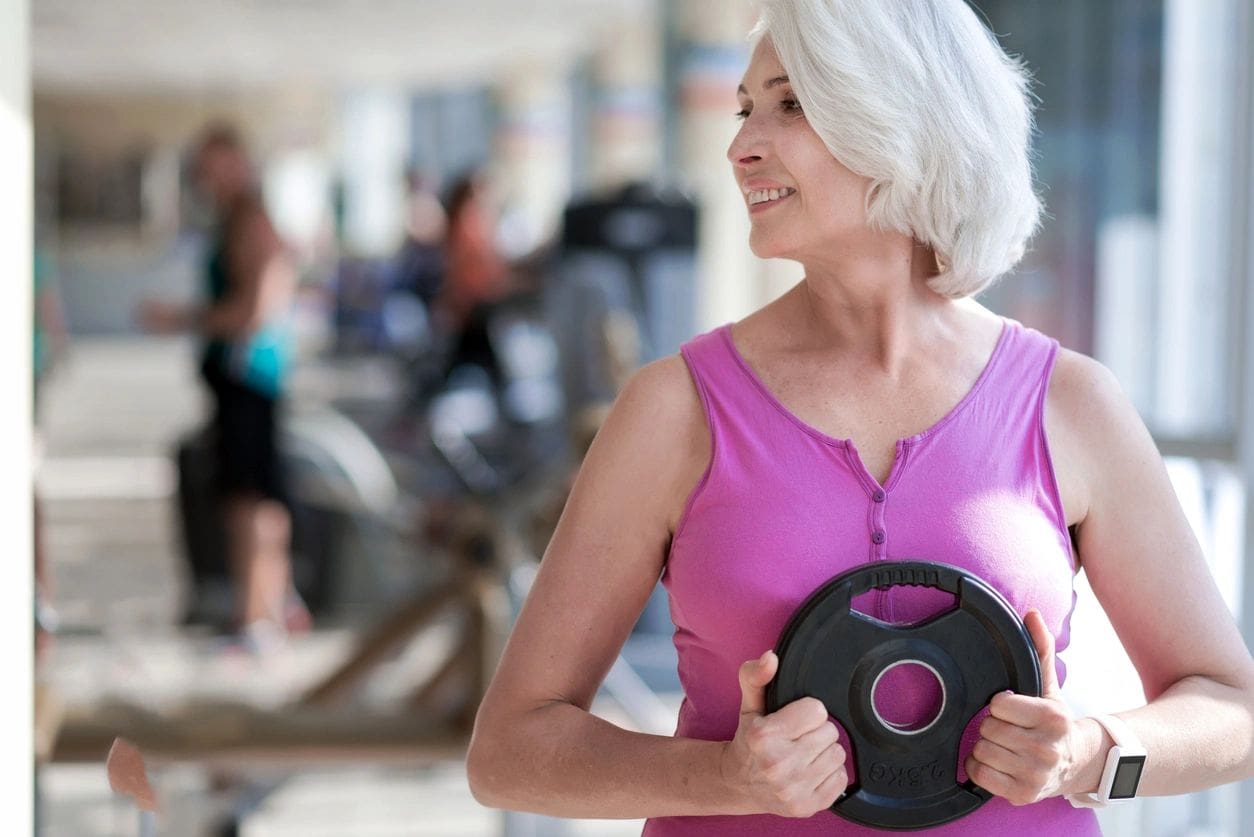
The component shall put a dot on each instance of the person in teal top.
(245, 362)
(258, 360)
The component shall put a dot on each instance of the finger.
(811, 746)
(754, 675)
(1020, 710)
(1015, 738)
(1044, 642)
(832, 788)
(997, 757)
(990, 778)
(827, 761)
(800, 717)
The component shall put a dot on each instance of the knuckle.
(772, 769)
(757, 735)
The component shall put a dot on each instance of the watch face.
(1127, 777)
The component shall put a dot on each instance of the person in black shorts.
(250, 280)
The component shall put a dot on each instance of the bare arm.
(1149, 574)
(536, 747)
(262, 280)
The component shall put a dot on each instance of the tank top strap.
(1003, 426)
(729, 395)
(1018, 374)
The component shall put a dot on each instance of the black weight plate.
(907, 779)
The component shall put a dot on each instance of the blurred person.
(873, 412)
(476, 273)
(250, 280)
(419, 267)
(415, 281)
(476, 276)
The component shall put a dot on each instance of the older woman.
(872, 412)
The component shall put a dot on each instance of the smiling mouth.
(762, 197)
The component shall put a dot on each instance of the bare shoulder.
(662, 385)
(249, 229)
(1093, 428)
(1088, 397)
(658, 422)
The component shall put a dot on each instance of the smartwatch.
(1122, 773)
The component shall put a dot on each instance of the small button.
(879, 495)
(877, 537)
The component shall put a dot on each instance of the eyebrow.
(772, 82)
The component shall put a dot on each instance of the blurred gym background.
(424, 494)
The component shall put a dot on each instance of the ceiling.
(173, 45)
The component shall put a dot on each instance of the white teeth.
(764, 195)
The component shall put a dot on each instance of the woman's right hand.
(790, 762)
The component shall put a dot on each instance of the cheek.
(834, 210)
(831, 193)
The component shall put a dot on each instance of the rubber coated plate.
(907, 779)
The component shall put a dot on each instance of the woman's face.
(818, 203)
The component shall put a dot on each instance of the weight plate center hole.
(908, 697)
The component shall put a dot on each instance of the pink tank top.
(783, 507)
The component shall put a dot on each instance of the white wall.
(15, 350)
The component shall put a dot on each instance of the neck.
(874, 307)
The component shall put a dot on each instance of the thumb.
(754, 675)
(1044, 642)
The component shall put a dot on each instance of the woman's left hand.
(1028, 745)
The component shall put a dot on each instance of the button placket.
(878, 538)
(879, 530)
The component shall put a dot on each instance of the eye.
(790, 105)
(743, 113)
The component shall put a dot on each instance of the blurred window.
(1137, 141)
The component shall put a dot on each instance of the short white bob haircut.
(918, 96)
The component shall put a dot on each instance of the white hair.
(918, 96)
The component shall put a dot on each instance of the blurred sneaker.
(262, 637)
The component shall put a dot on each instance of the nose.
(746, 147)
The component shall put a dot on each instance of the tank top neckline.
(989, 365)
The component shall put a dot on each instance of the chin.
(766, 247)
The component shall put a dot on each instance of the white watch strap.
(1122, 733)
(1129, 745)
